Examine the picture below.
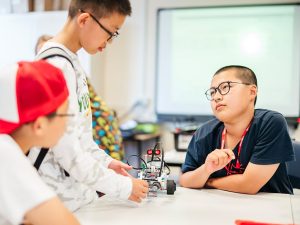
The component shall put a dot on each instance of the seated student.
(33, 99)
(243, 149)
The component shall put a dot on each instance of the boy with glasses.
(243, 149)
(33, 112)
(76, 168)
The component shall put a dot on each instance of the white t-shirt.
(21, 188)
(77, 152)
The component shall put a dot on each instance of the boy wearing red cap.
(76, 168)
(33, 99)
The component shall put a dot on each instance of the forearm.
(49, 213)
(194, 179)
(234, 183)
(100, 155)
(91, 172)
(114, 185)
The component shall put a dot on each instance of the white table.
(295, 201)
(188, 207)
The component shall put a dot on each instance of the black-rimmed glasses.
(112, 35)
(223, 89)
(55, 114)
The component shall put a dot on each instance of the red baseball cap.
(29, 90)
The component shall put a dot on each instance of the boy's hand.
(140, 190)
(218, 159)
(120, 167)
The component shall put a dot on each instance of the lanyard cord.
(238, 165)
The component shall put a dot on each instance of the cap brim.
(7, 127)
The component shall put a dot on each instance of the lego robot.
(155, 171)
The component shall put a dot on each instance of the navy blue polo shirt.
(266, 142)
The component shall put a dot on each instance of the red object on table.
(247, 222)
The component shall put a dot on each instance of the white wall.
(18, 39)
(120, 80)
(19, 33)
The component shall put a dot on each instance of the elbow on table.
(183, 181)
(250, 190)
(187, 182)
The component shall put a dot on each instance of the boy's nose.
(217, 97)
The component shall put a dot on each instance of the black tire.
(171, 187)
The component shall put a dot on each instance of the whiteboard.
(193, 43)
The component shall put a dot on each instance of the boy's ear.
(253, 91)
(39, 126)
(82, 18)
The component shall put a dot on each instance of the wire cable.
(137, 168)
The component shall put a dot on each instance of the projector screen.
(193, 43)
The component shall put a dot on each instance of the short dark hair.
(244, 73)
(100, 8)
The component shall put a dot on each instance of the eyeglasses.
(55, 114)
(223, 89)
(112, 35)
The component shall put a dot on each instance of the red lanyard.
(238, 165)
